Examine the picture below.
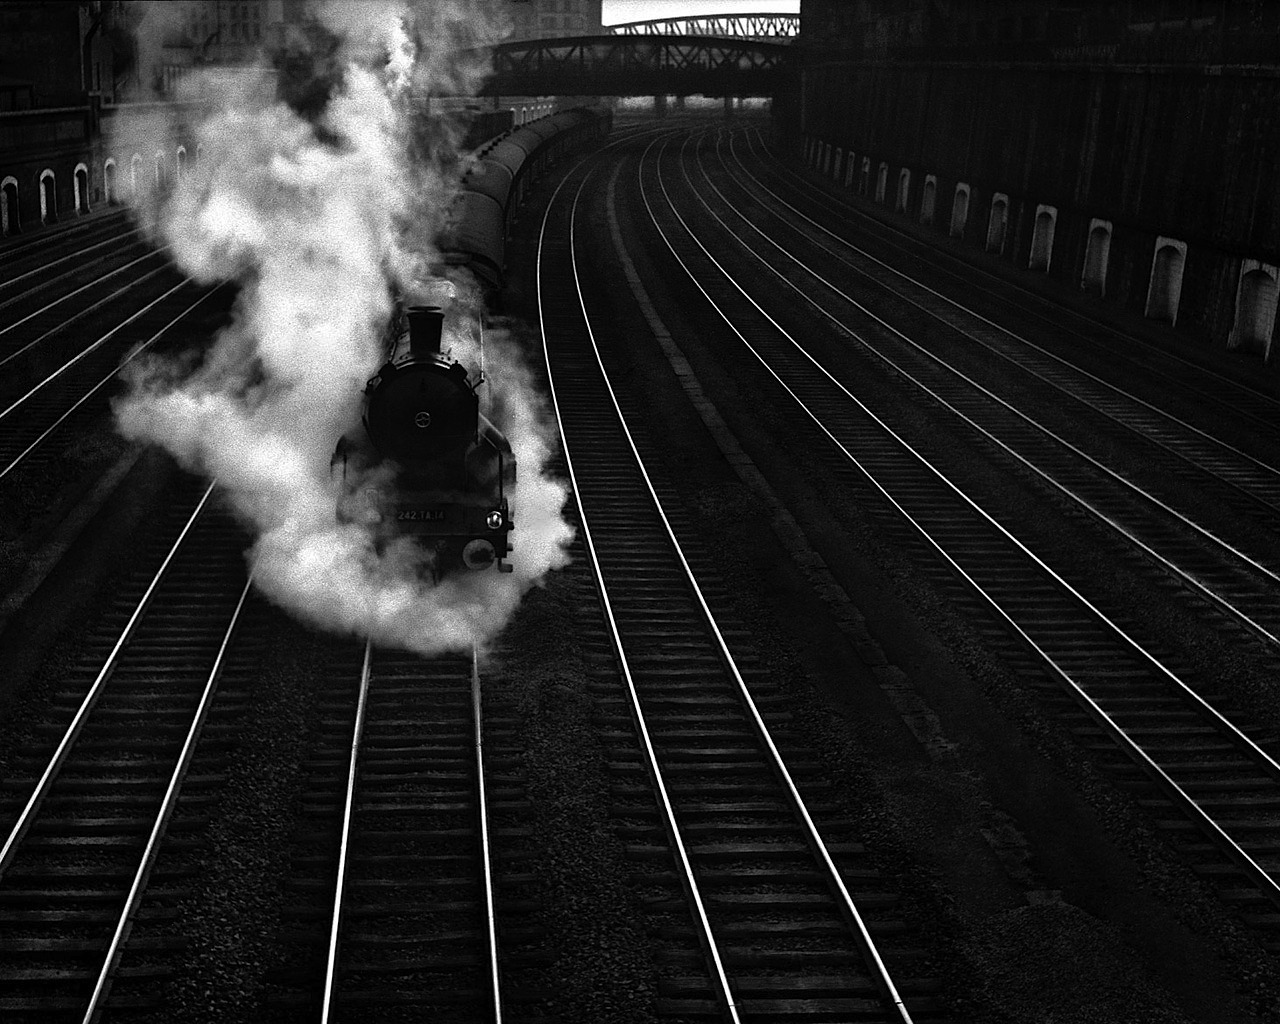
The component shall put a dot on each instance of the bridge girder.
(637, 66)
(761, 25)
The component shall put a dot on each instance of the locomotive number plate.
(422, 515)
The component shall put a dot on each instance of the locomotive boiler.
(444, 473)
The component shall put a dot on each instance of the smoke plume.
(319, 189)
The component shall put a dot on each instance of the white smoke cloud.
(321, 208)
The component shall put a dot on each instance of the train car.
(484, 125)
(445, 474)
(496, 185)
(478, 241)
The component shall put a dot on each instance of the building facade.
(59, 62)
(1128, 149)
(68, 66)
(55, 55)
(553, 19)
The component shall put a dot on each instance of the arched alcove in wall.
(1165, 289)
(959, 211)
(80, 183)
(864, 181)
(1255, 309)
(882, 182)
(135, 174)
(904, 190)
(928, 199)
(1042, 238)
(180, 163)
(48, 196)
(997, 223)
(1096, 255)
(10, 221)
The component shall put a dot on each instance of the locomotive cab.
(452, 470)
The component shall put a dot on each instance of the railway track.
(118, 775)
(78, 391)
(64, 269)
(1171, 447)
(1239, 585)
(37, 331)
(763, 902)
(394, 896)
(1203, 773)
(62, 367)
(20, 254)
(1070, 332)
(782, 913)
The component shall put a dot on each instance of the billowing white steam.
(317, 217)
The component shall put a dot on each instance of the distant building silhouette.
(551, 19)
(55, 55)
(1127, 149)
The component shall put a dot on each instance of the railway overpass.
(639, 65)
(763, 26)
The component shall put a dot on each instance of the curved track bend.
(1221, 782)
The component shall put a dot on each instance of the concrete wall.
(1186, 153)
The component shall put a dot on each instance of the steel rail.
(71, 295)
(23, 822)
(1223, 546)
(97, 1001)
(344, 845)
(92, 348)
(828, 197)
(490, 907)
(1268, 762)
(63, 232)
(724, 995)
(814, 838)
(1268, 885)
(1064, 363)
(137, 351)
(48, 266)
(1272, 766)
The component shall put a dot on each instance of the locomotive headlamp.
(493, 520)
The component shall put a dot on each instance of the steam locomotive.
(445, 474)
(428, 464)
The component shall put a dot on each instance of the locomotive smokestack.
(425, 326)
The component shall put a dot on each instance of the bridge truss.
(723, 26)
(631, 65)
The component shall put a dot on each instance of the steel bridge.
(761, 26)
(637, 65)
